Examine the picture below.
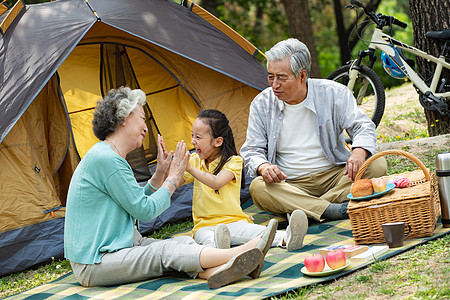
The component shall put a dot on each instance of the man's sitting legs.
(282, 198)
(313, 194)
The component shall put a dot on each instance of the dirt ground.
(418, 145)
(403, 114)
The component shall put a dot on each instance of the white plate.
(389, 187)
(326, 271)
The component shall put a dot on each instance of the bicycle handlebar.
(399, 23)
(357, 3)
(379, 19)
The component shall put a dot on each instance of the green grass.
(22, 281)
(169, 229)
(398, 164)
(415, 116)
(421, 273)
(413, 133)
(403, 118)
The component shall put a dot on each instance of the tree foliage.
(12, 2)
(261, 22)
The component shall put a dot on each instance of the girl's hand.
(188, 165)
(179, 164)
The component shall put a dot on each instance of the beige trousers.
(148, 258)
(311, 193)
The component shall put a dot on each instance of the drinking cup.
(394, 233)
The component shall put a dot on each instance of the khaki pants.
(148, 258)
(311, 193)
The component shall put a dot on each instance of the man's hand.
(271, 173)
(354, 162)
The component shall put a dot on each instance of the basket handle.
(387, 152)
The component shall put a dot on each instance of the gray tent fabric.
(41, 38)
(26, 247)
(183, 33)
(30, 55)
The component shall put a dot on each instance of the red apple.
(336, 259)
(314, 263)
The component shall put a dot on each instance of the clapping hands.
(163, 158)
(170, 165)
(179, 163)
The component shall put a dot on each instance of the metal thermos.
(443, 177)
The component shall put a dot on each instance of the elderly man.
(295, 145)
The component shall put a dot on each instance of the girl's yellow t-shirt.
(210, 208)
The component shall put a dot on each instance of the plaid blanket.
(281, 271)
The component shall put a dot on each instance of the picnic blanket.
(281, 271)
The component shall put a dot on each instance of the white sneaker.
(296, 231)
(222, 237)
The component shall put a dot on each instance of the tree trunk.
(300, 27)
(258, 28)
(431, 15)
(342, 33)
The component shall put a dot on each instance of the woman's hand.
(163, 159)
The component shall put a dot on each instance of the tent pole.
(92, 9)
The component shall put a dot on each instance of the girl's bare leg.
(212, 259)
(225, 266)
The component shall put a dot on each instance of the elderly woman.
(105, 201)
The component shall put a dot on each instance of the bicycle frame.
(386, 43)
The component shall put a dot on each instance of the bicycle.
(365, 83)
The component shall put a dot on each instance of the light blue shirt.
(335, 110)
(103, 202)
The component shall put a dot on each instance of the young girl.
(217, 173)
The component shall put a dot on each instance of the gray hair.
(114, 108)
(300, 58)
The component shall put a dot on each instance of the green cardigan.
(103, 203)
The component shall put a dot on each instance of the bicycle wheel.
(368, 90)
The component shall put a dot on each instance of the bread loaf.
(361, 188)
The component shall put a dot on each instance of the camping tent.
(58, 58)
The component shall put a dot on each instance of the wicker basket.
(417, 205)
